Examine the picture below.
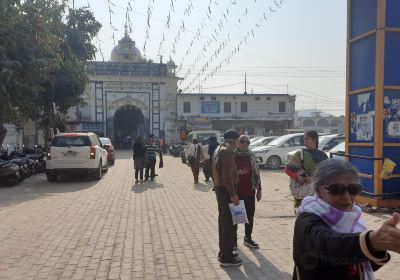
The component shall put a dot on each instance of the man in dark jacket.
(225, 181)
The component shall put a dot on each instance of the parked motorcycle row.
(17, 165)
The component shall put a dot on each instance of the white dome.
(126, 51)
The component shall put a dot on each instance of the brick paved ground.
(112, 229)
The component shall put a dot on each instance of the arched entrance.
(128, 123)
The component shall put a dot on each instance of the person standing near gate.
(151, 158)
(139, 152)
(226, 179)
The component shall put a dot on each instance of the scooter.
(9, 173)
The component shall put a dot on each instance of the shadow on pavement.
(266, 267)
(203, 187)
(37, 186)
(142, 187)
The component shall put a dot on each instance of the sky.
(283, 46)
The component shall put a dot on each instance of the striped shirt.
(151, 152)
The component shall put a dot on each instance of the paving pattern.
(76, 228)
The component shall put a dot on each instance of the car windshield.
(203, 137)
(105, 141)
(256, 142)
(323, 140)
(70, 141)
(338, 148)
(280, 140)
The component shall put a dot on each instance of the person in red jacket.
(249, 186)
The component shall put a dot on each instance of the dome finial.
(126, 29)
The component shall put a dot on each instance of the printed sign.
(362, 117)
(391, 114)
(210, 107)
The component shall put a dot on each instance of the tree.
(44, 47)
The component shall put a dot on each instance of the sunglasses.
(244, 142)
(340, 189)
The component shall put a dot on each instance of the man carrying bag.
(225, 181)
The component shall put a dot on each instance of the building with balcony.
(260, 114)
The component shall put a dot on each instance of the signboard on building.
(199, 123)
(210, 107)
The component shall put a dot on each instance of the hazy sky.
(299, 43)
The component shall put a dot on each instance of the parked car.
(202, 136)
(262, 141)
(273, 155)
(175, 149)
(76, 153)
(338, 149)
(109, 147)
(325, 143)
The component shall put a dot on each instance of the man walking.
(225, 181)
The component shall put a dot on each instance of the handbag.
(300, 191)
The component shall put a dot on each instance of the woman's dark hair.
(195, 141)
(331, 168)
(313, 135)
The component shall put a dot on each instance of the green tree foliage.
(44, 47)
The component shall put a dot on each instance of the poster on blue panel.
(208, 107)
(362, 117)
(391, 113)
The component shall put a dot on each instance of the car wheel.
(51, 177)
(274, 162)
(105, 169)
(99, 172)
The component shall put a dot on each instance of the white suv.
(274, 154)
(325, 143)
(76, 153)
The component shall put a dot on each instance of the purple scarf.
(339, 221)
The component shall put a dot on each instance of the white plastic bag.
(239, 215)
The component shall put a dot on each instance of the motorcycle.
(9, 173)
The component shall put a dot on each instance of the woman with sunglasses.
(330, 239)
(249, 186)
(301, 165)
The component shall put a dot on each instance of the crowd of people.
(330, 241)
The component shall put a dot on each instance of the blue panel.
(210, 107)
(392, 185)
(362, 117)
(365, 166)
(362, 63)
(391, 120)
(393, 13)
(392, 58)
(363, 16)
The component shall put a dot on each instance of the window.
(282, 107)
(243, 107)
(227, 107)
(268, 98)
(74, 141)
(213, 98)
(257, 98)
(201, 97)
(295, 141)
(186, 107)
